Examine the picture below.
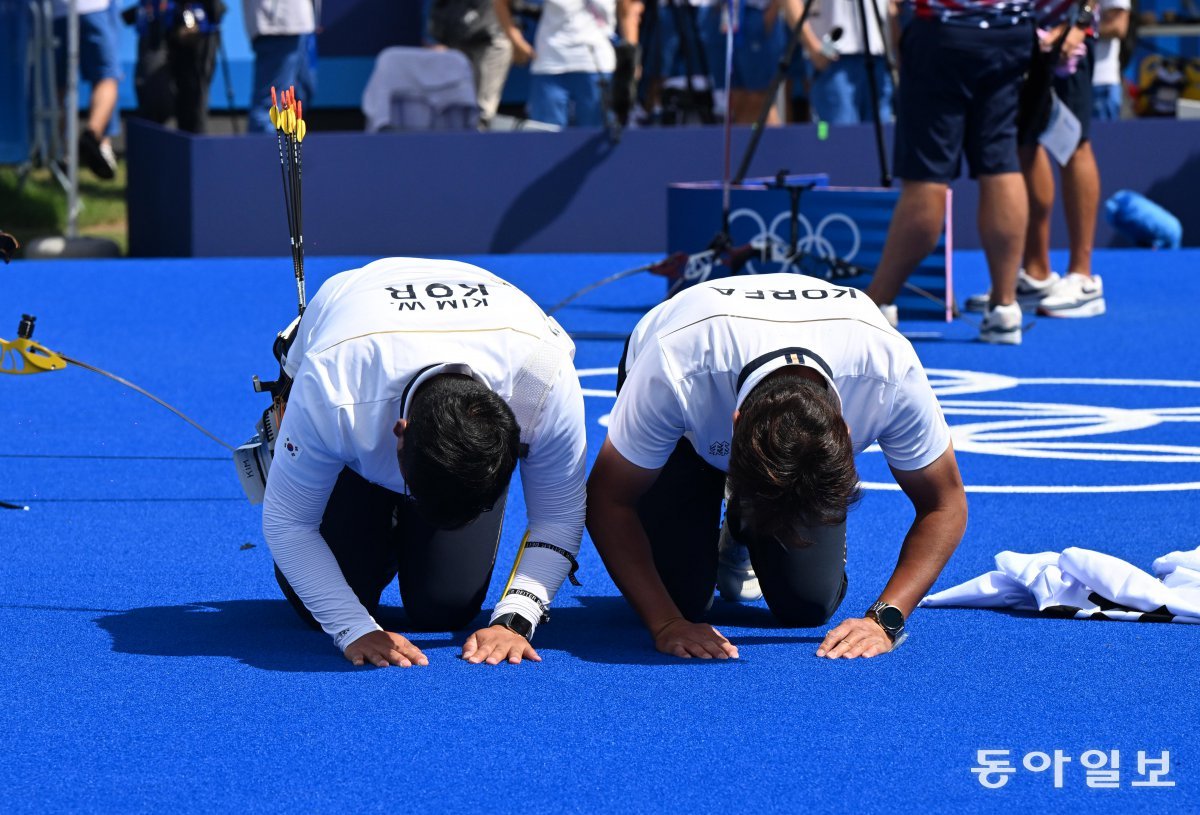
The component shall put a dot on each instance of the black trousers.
(172, 78)
(377, 535)
(682, 516)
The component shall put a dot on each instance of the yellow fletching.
(21, 356)
(289, 126)
(274, 114)
(301, 129)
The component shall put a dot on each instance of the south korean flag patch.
(291, 448)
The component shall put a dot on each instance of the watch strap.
(896, 635)
(530, 595)
(516, 623)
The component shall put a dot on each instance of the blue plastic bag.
(1143, 221)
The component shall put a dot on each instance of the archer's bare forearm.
(930, 542)
(621, 541)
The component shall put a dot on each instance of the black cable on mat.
(151, 397)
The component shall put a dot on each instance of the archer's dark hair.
(791, 462)
(460, 449)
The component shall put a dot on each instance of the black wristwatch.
(890, 619)
(515, 623)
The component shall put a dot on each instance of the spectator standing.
(572, 59)
(759, 40)
(1067, 27)
(100, 66)
(177, 53)
(1106, 74)
(472, 27)
(961, 68)
(840, 92)
(1079, 293)
(282, 34)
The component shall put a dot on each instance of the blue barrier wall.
(445, 193)
(846, 223)
(14, 112)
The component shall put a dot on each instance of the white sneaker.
(891, 314)
(1002, 325)
(109, 156)
(1076, 295)
(735, 576)
(1030, 293)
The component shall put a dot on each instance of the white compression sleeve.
(555, 487)
(297, 492)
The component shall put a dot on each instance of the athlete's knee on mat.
(805, 615)
(808, 612)
(693, 605)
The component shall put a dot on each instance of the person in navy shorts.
(962, 65)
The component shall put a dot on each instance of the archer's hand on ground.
(855, 637)
(496, 644)
(684, 639)
(383, 648)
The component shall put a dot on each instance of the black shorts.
(959, 91)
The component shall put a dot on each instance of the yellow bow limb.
(21, 356)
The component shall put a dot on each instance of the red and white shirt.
(1009, 11)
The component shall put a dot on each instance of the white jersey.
(367, 340)
(1093, 585)
(1106, 59)
(575, 36)
(693, 359)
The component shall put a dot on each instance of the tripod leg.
(688, 40)
(781, 70)
(885, 32)
(885, 173)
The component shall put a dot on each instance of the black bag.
(1036, 101)
(460, 23)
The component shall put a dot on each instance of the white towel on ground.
(1085, 584)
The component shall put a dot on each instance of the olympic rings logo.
(836, 236)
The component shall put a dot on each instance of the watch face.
(517, 623)
(890, 618)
